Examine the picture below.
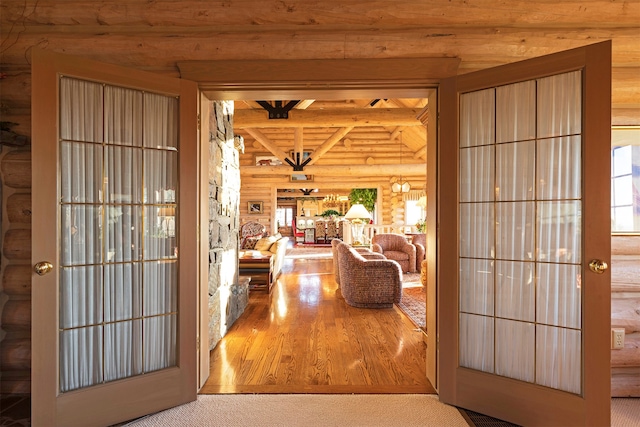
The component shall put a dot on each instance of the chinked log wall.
(15, 348)
(625, 313)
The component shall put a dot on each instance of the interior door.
(524, 210)
(114, 248)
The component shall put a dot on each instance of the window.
(412, 212)
(284, 216)
(625, 180)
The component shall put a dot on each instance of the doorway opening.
(427, 92)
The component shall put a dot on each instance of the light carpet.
(309, 410)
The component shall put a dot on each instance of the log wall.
(625, 313)
(15, 312)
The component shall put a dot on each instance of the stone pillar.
(227, 297)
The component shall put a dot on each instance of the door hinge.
(198, 121)
(198, 343)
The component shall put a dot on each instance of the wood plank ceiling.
(338, 136)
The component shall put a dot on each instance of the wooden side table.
(257, 266)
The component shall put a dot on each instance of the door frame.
(338, 79)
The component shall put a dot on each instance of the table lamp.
(357, 214)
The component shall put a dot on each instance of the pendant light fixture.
(400, 185)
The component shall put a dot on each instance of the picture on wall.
(300, 177)
(266, 160)
(254, 207)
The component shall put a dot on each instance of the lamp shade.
(357, 211)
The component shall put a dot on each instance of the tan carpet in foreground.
(309, 410)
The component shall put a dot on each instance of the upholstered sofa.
(368, 283)
(275, 248)
(397, 248)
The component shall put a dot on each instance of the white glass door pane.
(160, 290)
(160, 121)
(123, 291)
(559, 295)
(560, 105)
(123, 350)
(477, 227)
(477, 118)
(81, 172)
(476, 342)
(477, 174)
(515, 349)
(123, 119)
(123, 233)
(559, 170)
(515, 171)
(80, 296)
(558, 358)
(515, 231)
(123, 174)
(81, 110)
(80, 358)
(476, 286)
(81, 225)
(159, 342)
(515, 290)
(160, 175)
(516, 112)
(559, 232)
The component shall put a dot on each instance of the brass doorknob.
(43, 268)
(598, 266)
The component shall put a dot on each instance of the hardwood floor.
(303, 338)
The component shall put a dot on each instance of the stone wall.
(227, 297)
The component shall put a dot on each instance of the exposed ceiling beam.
(342, 170)
(244, 119)
(328, 144)
(268, 144)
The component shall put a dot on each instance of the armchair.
(366, 253)
(420, 242)
(375, 283)
(250, 233)
(396, 247)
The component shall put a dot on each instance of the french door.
(114, 248)
(525, 232)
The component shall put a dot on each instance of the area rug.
(310, 252)
(413, 302)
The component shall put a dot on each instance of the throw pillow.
(274, 248)
(265, 243)
(250, 243)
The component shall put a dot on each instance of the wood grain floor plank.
(304, 338)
